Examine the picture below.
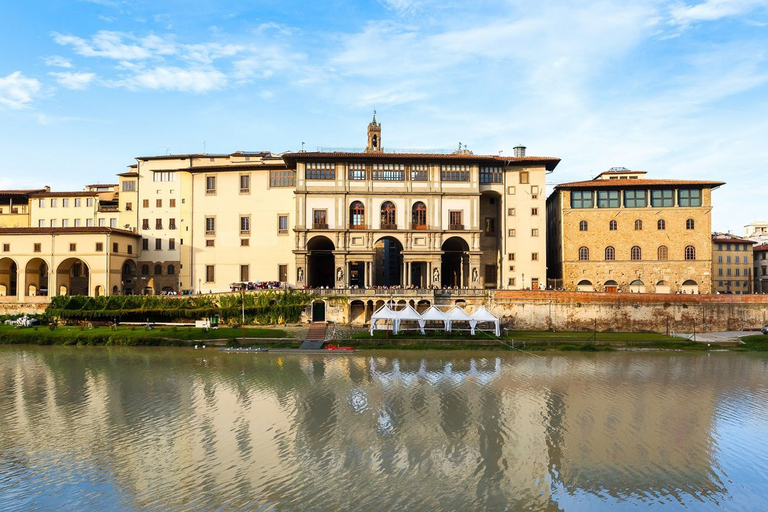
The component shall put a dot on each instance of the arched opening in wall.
(637, 286)
(167, 290)
(127, 277)
(662, 287)
(690, 286)
(422, 306)
(8, 277)
(454, 264)
(99, 291)
(461, 303)
(357, 312)
(321, 262)
(585, 285)
(611, 286)
(318, 311)
(388, 262)
(115, 290)
(148, 290)
(73, 277)
(36, 273)
(388, 215)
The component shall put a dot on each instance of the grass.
(754, 343)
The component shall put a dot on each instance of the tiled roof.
(21, 192)
(761, 247)
(66, 194)
(550, 162)
(636, 183)
(239, 166)
(62, 231)
(730, 238)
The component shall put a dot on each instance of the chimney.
(519, 151)
(47, 188)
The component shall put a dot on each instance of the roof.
(21, 192)
(239, 166)
(95, 230)
(549, 162)
(726, 237)
(181, 157)
(762, 247)
(637, 183)
(66, 194)
(111, 185)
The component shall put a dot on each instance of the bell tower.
(374, 136)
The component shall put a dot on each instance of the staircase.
(315, 335)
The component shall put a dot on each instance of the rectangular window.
(158, 223)
(144, 223)
(523, 177)
(145, 244)
(719, 259)
(663, 198)
(99, 247)
(511, 281)
(113, 223)
(635, 199)
(172, 223)
(454, 172)
(535, 232)
(41, 223)
(115, 247)
(6, 247)
(89, 201)
(102, 223)
(41, 203)
(511, 256)
(582, 199)
(209, 274)
(129, 186)
(245, 183)
(356, 172)
(534, 211)
(512, 232)
(419, 172)
(164, 176)
(145, 203)
(172, 203)
(728, 271)
(511, 212)
(282, 178)
(689, 197)
(388, 172)
(456, 219)
(534, 256)
(36, 247)
(72, 247)
(490, 226)
(65, 202)
(210, 225)
(490, 275)
(282, 224)
(77, 202)
(490, 175)
(158, 244)
(534, 191)
(210, 243)
(282, 273)
(171, 244)
(159, 203)
(65, 223)
(53, 223)
(320, 171)
(511, 190)
(245, 273)
(245, 224)
(320, 219)
(244, 242)
(728, 259)
(54, 203)
(129, 207)
(130, 249)
(210, 185)
(608, 199)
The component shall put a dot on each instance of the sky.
(675, 88)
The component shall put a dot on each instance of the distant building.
(731, 264)
(623, 232)
(757, 231)
(760, 267)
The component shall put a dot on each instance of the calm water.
(178, 429)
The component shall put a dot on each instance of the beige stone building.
(760, 267)
(623, 232)
(731, 264)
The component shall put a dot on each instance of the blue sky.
(675, 88)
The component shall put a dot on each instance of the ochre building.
(731, 264)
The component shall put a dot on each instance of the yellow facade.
(731, 264)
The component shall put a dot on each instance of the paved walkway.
(717, 337)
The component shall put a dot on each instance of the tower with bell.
(374, 136)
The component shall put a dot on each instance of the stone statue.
(339, 274)
(436, 275)
(474, 274)
(300, 274)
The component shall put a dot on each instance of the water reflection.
(156, 429)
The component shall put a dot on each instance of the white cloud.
(57, 61)
(18, 91)
(712, 10)
(70, 80)
(177, 79)
(112, 45)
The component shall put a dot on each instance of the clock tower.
(374, 136)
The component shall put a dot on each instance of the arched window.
(635, 253)
(690, 252)
(583, 226)
(145, 270)
(661, 225)
(388, 215)
(662, 253)
(419, 216)
(158, 269)
(612, 225)
(638, 225)
(171, 270)
(610, 253)
(357, 215)
(689, 224)
(583, 254)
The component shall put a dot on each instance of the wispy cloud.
(117, 45)
(57, 61)
(71, 80)
(712, 10)
(176, 79)
(18, 91)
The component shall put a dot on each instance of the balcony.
(419, 227)
(357, 226)
(389, 226)
(456, 227)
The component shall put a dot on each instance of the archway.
(611, 286)
(321, 262)
(99, 290)
(454, 264)
(73, 277)
(318, 311)
(36, 273)
(637, 286)
(662, 287)
(357, 312)
(585, 285)
(128, 277)
(388, 261)
(8, 277)
(690, 286)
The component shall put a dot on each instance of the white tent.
(435, 315)
(483, 315)
(457, 314)
(407, 314)
(383, 313)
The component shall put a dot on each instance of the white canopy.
(383, 313)
(405, 314)
(433, 314)
(483, 315)
(457, 314)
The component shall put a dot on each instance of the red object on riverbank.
(331, 346)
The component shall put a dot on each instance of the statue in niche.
(300, 274)
(436, 276)
(339, 274)
(474, 274)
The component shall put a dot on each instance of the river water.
(179, 429)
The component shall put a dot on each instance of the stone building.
(760, 267)
(731, 264)
(623, 232)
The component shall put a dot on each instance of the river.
(85, 428)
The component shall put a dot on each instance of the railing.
(318, 225)
(399, 292)
(389, 226)
(456, 227)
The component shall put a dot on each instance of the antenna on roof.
(204, 147)
(167, 150)
(302, 146)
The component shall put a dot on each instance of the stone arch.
(637, 286)
(454, 263)
(585, 285)
(99, 290)
(611, 286)
(388, 215)
(423, 305)
(320, 262)
(357, 312)
(9, 275)
(388, 262)
(690, 286)
(128, 277)
(662, 287)
(73, 277)
(36, 273)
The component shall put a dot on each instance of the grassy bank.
(754, 343)
(127, 336)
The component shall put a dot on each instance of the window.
(99, 247)
(635, 199)
(738, 271)
(245, 242)
(662, 253)
(158, 223)
(282, 224)
(534, 191)
(534, 211)
(511, 212)
(282, 178)
(282, 273)
(128, 186)
(523, 177)
(320, 171)
(357, 215)
(534, 256)
(172, 223)
(635, 253)
(158, 270)
(690, 254)
(419, 172)
(54, 203)
(719, 259)
(535, 232)
(612, 225)
(454, 172)
(159, 203)
(164, 176)
(490, 175)
(210, 225)
(490, 226)
(455, 219)
(158, 244)
(608, 199)
(209, 273)
(689, 197)
(638, 225)
(36, 247)
(115, 247)
(356, 172)
(129, 207)
(582, 199)
(245, 272)
(72, 247)
(144, 244)
(113, 223)
(583, 226)
(419, 216)
(41, 223)
(89, 201)
(388, 215)
(65, 223)
(145, 270)
(728, 259)
(512, 232)
(661, 225)
(145, 203)
(172, 203)
(511, 190)
(511, 256)
(689, 224)
(320, 219)
(210, 185)
(130, 249)
(210, 243)
(663, 198)
(101, 222)
(41, 203)
(388, 172)
(245, 224)
(65, 202)
(77, 202)
(171, 244)
(245, 183)
(6, 247)
(583, 254)
(610, 253)
(53, 222)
